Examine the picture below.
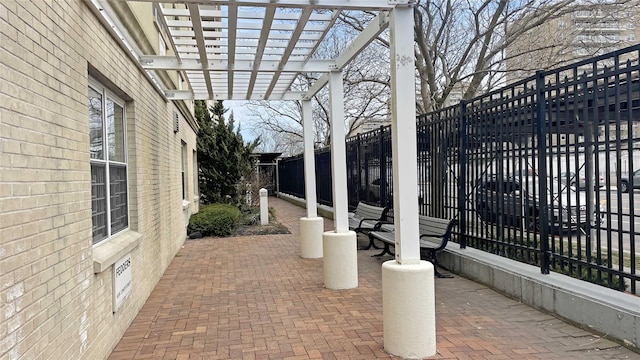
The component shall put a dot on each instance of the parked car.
(515, 200)
(627, 182)
(580, 181)
(374, 191)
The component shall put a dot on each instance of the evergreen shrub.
(214, 220)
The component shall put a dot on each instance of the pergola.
(255, 50)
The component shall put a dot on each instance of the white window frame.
(106, 162)
(183, 156)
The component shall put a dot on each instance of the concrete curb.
(323, 210)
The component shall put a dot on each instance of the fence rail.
(540, 171)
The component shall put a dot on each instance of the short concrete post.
(340, 264)
(311, 237)
(264, 207)
(408, 309)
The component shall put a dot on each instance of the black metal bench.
(365, 219)
(434, 235)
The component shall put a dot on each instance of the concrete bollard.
(311, 244)
(264, 207)
(408, 309)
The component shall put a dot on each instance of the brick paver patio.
(254, 298)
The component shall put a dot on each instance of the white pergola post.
(408, 300)
(340, 245)
(311, 226)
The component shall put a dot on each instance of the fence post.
(462, 179)
(383, 169)
(358, 169)
(278, 176)
(542, 172)
(591, 137)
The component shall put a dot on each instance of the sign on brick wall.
(121, 281)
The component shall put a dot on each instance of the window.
(109, 195)
(183, 155)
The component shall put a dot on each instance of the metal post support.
(403, 131)
(309, 160)
(338, 154)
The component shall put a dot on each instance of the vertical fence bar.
(631, 140)
(462, 178)
(358, 167)
(542, 171)
(384, 185)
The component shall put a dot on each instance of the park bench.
(434, 235)
(365, 218)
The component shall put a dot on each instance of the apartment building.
(98, 175)
(584, 31)
(371, 124)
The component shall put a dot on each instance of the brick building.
(97, 176)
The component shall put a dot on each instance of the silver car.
(580, 181)
(627, 182)
(514, 201)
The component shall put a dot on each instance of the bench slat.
(434, 235)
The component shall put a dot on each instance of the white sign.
(121, 281)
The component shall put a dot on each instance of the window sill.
(110, 251)
(185, 204)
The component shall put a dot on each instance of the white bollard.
(340, 260)
(408, 308)
(264, 207)
(311, 230)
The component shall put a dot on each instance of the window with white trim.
(107, 146)
(183, 154)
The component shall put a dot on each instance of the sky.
(241, 117)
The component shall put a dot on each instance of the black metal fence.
(291, 176)
(541, 171)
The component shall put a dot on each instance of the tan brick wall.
(52, 305)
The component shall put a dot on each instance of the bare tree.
(462, 48)
(459, 44)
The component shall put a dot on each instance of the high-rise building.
(582, 32)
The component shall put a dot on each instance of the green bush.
(214, 219)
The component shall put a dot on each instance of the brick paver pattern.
(254, 297)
